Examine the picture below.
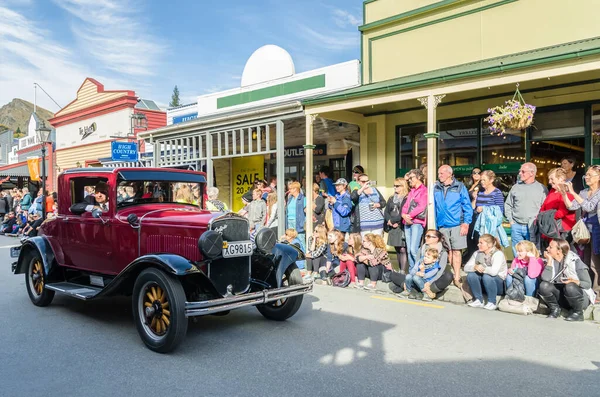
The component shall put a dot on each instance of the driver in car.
(98, 200)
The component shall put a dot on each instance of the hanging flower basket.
(515, 114)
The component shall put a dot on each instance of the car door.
(87, 241)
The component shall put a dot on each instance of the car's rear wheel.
(159, 310)
(283, 309)
(35, 281)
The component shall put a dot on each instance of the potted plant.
(515, 114)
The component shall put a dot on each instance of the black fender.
(41, 245)
(285, 256)
(169, 263)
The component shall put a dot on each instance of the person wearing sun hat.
(341, 206)
(356, 171)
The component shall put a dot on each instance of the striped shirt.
(494, 198)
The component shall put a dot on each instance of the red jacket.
(554, 201)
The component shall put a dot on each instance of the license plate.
(14, 252)
(238, 248)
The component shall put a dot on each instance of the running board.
(83, 292)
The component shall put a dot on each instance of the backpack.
(341, 279)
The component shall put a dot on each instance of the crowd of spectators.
(350, 221)
(22, 212)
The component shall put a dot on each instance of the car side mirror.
(97, 213)
(133, 220)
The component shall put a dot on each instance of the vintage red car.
(152, 239)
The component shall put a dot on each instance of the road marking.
(9, 246)
(408, 302)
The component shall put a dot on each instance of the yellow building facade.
(432, 69)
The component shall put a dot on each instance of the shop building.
(432, 69)
(87, 126)
(14, 153)
(258, 129)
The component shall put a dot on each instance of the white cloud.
(113, 32)
(29, 56)
(112, 46)
(344, 18)
(329, 39)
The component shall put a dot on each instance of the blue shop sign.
(124, 151)
(184, 118)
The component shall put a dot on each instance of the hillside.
(16, 113)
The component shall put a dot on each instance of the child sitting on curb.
(316, 253)
(422, 273)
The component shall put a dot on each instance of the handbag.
(580, 233)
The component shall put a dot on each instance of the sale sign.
(244, 171)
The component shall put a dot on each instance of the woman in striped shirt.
(488, 195)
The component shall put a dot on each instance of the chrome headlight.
(211, 244)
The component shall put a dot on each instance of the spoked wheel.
(159, 310)
(35, 281)
(282, 309)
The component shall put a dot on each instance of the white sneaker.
(490, 306)
(476, 303)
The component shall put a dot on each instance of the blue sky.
(150, 46)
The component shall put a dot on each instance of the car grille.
(231, 271)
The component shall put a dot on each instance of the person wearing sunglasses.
(523, 204)
(588, 200)
(431, 239)
(356, 171)
(393, 222)
(368, 206)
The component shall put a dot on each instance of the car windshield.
(170, 192)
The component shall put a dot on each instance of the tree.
(175, 98)
(18, 133)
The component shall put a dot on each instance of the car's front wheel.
(35, 280)
(159, 310)
(283, 309)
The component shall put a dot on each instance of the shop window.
(557, 135)
(508, 148)
(412, 148)
(338, 168)
(458, 146)
(559, 124)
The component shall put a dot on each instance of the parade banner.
(244, 171)
(33, 164)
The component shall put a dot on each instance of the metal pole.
(280, 173)
(308, 152)
(43, 180)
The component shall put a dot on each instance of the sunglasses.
(476, 172)
(397, 185)
(364, 181)
(431, 236)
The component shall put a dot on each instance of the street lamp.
(43, 135)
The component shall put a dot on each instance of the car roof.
(143, 173)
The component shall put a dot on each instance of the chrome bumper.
(193, 309)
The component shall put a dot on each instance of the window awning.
(18, 169)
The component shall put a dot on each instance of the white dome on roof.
(269, 62)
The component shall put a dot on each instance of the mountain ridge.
(15, 115)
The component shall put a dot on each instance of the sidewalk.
(453, 295)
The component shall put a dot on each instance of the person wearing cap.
(98, 200)
(356, 171)
(341, 206)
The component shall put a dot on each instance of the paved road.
(341, 343)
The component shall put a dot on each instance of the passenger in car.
(99, 200)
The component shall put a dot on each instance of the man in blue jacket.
(341, 207)
(453, 214)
